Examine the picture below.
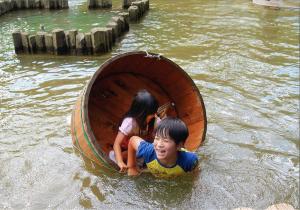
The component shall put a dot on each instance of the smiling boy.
(164, 157)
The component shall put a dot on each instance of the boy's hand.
(132, 171)
(122, 166)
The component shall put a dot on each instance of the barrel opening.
(111, 97)
(109, 93)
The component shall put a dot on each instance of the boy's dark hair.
(143, 104)
(173, 128)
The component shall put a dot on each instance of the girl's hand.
(132, 171)
(157, 121)
(122, 166)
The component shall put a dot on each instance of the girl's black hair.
(172, 128)
(143, 104)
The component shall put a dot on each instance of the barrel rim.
(111, 60)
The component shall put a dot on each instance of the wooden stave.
(81, 138)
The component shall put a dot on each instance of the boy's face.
(165, 148)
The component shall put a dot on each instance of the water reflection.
(165, 192)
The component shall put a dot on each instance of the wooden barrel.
(108, 95)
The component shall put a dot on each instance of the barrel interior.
(111, 98)
(113, 88)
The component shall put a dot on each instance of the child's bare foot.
(132, 172)
(123, 167)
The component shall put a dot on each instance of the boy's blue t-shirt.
(186, 161)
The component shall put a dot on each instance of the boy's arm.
(133, 146)
(194, 164)
(195, 167)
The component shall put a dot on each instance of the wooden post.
(125, 15)
(139, 6)
(49, 43)
(29, 4)
(20, 4)
(40, 41)
(72, 41)
(1, 8)
(106, 4)
(62, 4)
(46, 4)
(49, 4)
(16, 4)
(65, 4)
(91, 4)
(11, 5)
(25, 42)
(143, 7)
(122, 23)
(67, 39)
(147, 6)
(80, 44)
(114, 27)
(42, 6)
(59, 4)
(32, 43)
(88, 43)
(59, 41)
(17, 38)
(127, 3)
(38, 4)
(5, 6)
(25, 4)
(53, 4)
(110, 38)
(98, 40)
(133, 13)
(119, 23)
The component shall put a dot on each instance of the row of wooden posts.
(60, 42)
(97, 41)
(10, 5)
(107, 3)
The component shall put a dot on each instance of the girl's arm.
(133, 145)
(118, 152)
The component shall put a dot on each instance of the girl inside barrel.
(138, 121)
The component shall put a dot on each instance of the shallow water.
(243, 57)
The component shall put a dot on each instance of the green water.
(243, 57)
